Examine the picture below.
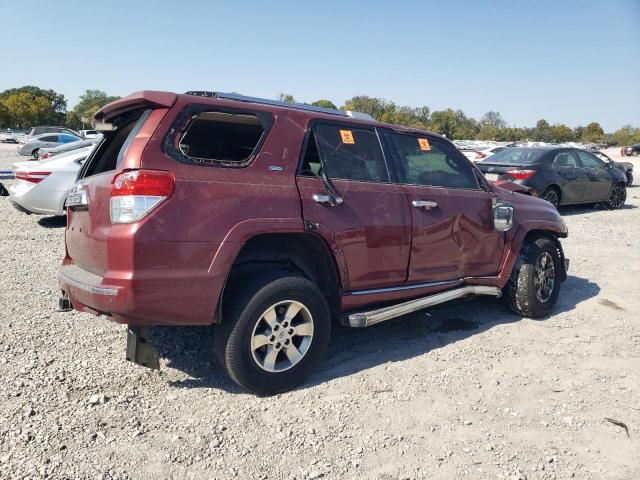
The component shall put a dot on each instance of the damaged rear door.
(367, 224)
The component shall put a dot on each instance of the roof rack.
(279, 103)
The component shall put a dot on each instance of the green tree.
(25, 110)
(626, 135)
(287, 98)
(90, 102)
(592, 133)
(561, 133)
(542, 131)
(52, 114)
(376, 107)
(324, 104)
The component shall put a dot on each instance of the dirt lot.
(471, 391)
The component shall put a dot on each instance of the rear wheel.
(552, 195)
(617, 197)
(629, 178)
(534, 285)
(274, 335)
(35, 153)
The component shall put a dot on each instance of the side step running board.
(364, 319)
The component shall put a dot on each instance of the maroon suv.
(269, 219)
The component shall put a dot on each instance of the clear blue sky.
(569, 61)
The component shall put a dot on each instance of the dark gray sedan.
(562, 176)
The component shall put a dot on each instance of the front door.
(453, 234)
(598, 179)
(369, 231)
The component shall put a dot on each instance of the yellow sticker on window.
(347, 137)
(424, 144)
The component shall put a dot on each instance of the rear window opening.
(111, 149)
(221, 137)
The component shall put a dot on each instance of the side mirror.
(502, 216)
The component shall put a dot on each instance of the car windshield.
(517, 156)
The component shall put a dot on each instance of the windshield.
(517, 156)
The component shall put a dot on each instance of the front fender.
(531, 215)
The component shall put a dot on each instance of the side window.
(50, 138)
(222, 137)
(349, 153)
(66, 138)
(428, 161)
(565, 159)
(589, 161)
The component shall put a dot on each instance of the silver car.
(45, 153)
(32, 145)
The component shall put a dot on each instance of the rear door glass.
(348, 153)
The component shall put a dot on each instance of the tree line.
(29, 106)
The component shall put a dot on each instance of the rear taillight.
(521, 174)
(45, 155)
(33, 177)
(135, 193)
(480, 155)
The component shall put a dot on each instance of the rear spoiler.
(145, 98)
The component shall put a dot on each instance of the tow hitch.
(64, 304)
(139, 348)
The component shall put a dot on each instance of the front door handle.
(326, 200)
(424, 204)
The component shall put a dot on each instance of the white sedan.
(41, 187)
(475, 154)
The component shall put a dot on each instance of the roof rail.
(279, 103)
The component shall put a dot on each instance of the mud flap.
(139, 348)
(3, 191)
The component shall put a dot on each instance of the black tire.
(35, 154)
(523, 290)
(243, 316)
(617, 197)
(552, 195)
(629, 178)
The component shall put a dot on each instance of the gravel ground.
(471, 391)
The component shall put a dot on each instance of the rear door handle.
(424, 204)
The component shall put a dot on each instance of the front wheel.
(274, 335)
(534, 285)
(617, 197)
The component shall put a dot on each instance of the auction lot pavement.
(472, 391)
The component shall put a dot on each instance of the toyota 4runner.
(268, 220)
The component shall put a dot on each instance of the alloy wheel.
(552, 197)
(617, 197)
(282, 336)
(544, 278)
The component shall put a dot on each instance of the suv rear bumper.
(88, 292)
(151, 300)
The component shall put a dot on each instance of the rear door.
(452, 227)
(597, 180)
(369, 231)
(571, 174)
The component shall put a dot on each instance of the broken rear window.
(221, 137)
